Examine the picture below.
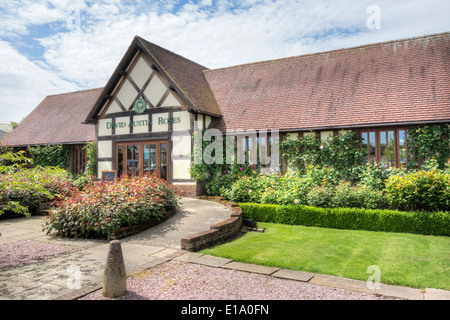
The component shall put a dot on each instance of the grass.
(404, 259)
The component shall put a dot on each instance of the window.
(139, 158)
(77, 159)
(387, 147)
(261, 152)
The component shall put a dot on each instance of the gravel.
(18, 253)
(175, 280)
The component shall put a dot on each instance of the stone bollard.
(115, 276)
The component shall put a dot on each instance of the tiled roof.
(403, 81)
(187, 75)
(58, 119)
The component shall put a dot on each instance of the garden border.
(218, 232)
(127, 231)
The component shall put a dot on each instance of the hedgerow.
(418, 222)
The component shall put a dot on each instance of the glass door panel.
(136, 160)
(163, 164)
(133, 160)
(372, 147)
(146, 159)
(140, 158)
(149, 158)
(120, 167)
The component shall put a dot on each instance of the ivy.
(428, 142)
(215, 175)
(50, 156)
(342, 152)
(91, 166)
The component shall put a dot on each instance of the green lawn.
(404, 259)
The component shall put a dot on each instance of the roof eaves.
(177, 87)
(113, 80)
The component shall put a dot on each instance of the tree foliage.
(427, 142)
(342, 152)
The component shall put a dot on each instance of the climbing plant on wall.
(91, 166)
(50, 156)
(342, 152)
(428, 142)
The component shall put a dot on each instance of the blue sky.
(55, 46)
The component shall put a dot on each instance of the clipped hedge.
(418, 222)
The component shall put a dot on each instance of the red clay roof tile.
(58, 119)
(392, 82)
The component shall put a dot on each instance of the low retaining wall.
(132, 230)
(217, 233)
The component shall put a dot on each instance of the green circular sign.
(140, 105)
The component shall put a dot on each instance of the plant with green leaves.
(342, 153)
(426, 142)
(12, 161)
(420, 190)
(212, 169)
(23, 190)
(50, 156)
(91, 166)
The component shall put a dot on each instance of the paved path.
(71, 275)
(193, 216)
(82, 269)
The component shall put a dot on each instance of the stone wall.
(217, 233)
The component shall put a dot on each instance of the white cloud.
(24, 84)
(213, 33)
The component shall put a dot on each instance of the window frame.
(377, 131)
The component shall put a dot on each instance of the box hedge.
(418, 222)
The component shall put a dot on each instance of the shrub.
(374, 175)
(50, 156)
(320, 175)
(321, 196)
(260, 212)
(11, 162)
(359, 196)
(26, 188)
(249, 188)
(289, 188)
(421, 190)
(418, 222)
(426, 142)
(103, 207)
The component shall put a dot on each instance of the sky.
(54, 46)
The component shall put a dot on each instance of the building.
(146, 114)
(58, 120)
(5, 129)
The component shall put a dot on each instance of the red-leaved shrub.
(103, 207)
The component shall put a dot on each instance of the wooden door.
(140, 158)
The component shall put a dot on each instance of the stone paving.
(74, 274)
(81, 269)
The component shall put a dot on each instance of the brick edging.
(218, 232)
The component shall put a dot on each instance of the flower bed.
(24, 190)
(102, 208)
